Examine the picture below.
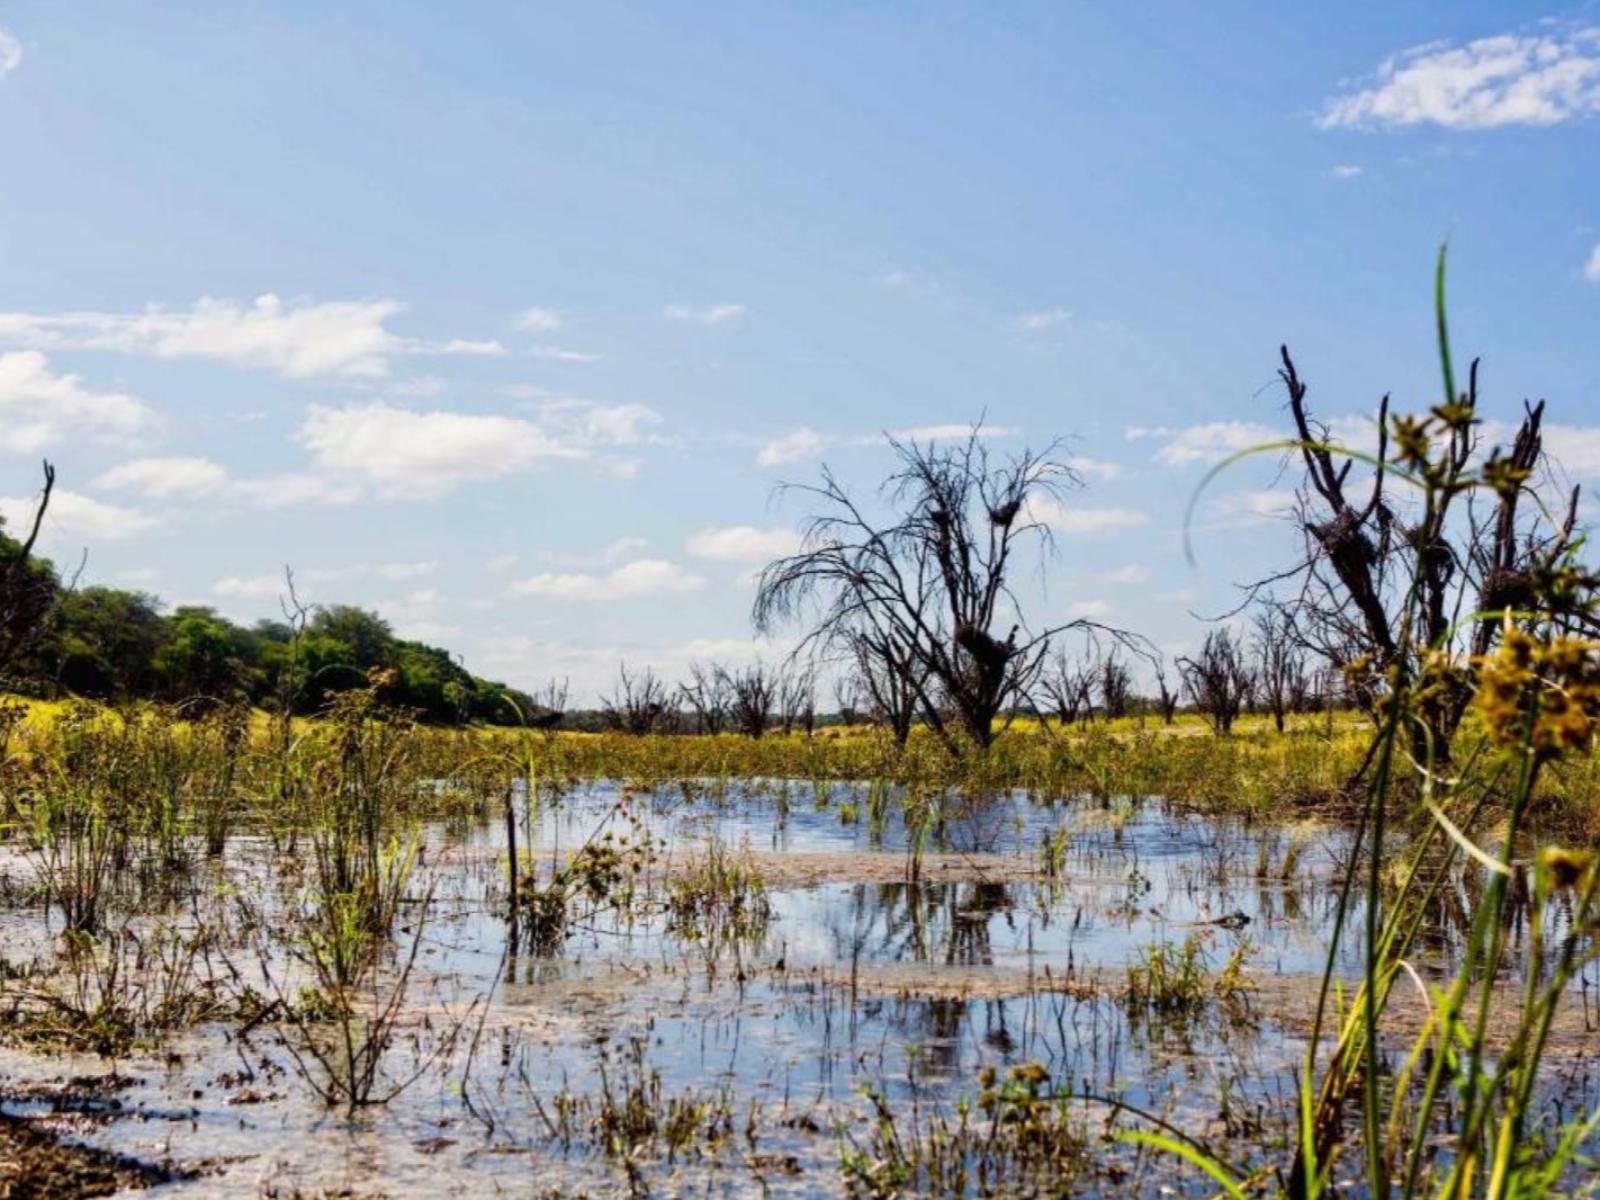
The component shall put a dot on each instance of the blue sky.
(506, 319)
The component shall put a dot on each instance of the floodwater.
(872, 972)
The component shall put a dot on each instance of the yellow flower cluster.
(1554, 684)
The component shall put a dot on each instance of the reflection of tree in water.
(922, 922)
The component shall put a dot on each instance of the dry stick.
(511, 872)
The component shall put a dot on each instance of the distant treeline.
(109, 644)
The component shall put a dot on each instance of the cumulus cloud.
(743, 543)
(1510, 79)
(1210, 442)
(162, 478)
(1591, 269)
(642, 577)
(10, 54)
(300, 340)
(425, 452)
(1575, 448)
(1079, 520)
(802, 443)
(1088, 609)
(711, 314)
(39, 407)
(1346, 171)
(76, 518)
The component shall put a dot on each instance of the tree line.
(110, 644)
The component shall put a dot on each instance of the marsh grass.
(1440, 1116)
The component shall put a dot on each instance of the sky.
(509, 321)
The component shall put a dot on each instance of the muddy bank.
(38, 1163)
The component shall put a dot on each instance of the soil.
(37, 1163)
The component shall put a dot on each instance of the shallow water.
(907, 987)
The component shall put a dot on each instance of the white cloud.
(1346, 171)
(562, 354)
(300, 340)
(425, 452)
(945, 433)
(293, 488)
(76, 518)
(311, 580)
(1094, 467)
(10, 54)
(1210, 442)
(539, 320)
(743, 544)
(792, 447)
(1575, 448)
(1509, 79)
(255, 587)
(604, 424)
(39, 407)
(1591, 269)
(712, 314)
(1076, 520)
(164, 477)
(1035, 322)
(500, 563)
(642, 577)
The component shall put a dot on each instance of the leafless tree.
(1167, 694)
(27, 587)
(753, 693)
(797, 699)
(550, 704)
(1281, 674)
(1116, 686)
(639, 703)
(893, 679)
(848, 697)
(932, 577)
(1218, 681)
(709, 695)
(1384, 579)
(1067, 684)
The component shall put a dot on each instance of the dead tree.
(549, 705)
(638, 704)
(892, 678)
(1385, 580)
(848, 697)
(1067, 685)
(933, 575)
(1218, 680)
(709, 695)
(28, 587)
(1167, 694)
(797, 699)
(1116, 686)
(753, 693)
(1281, 676)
